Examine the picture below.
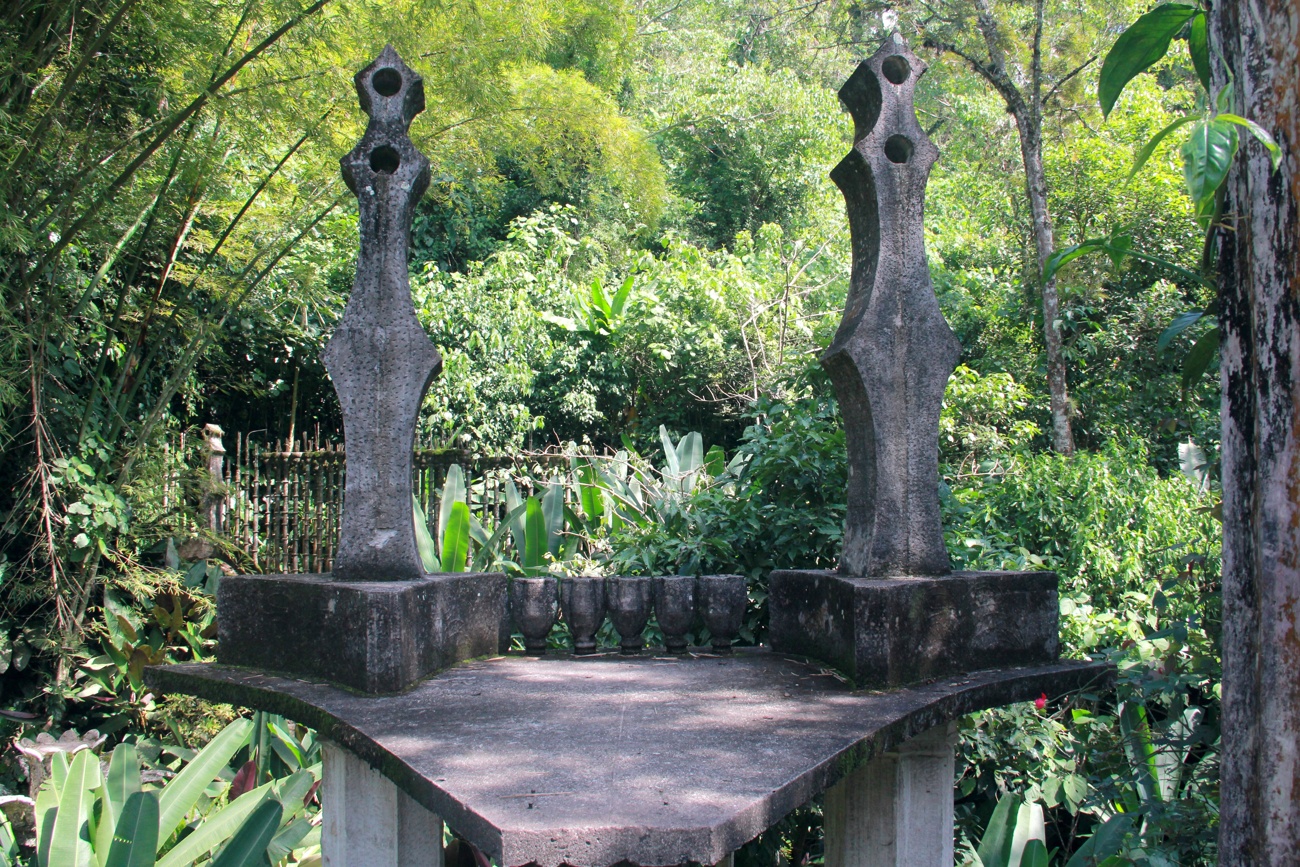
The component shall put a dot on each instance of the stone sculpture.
(894, 613)
(377, 623)
(379, 358)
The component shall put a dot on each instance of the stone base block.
(885, 632)
(372, 636)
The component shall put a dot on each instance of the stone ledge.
(372, 636)
(885, 632)
(592, 761)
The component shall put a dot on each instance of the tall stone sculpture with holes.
(603, 759)
(378, 623)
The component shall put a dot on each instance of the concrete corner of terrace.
(662, 756)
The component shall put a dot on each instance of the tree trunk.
(1259, 288)
(1030, 126)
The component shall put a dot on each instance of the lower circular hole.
(898, 148)
(385, 159)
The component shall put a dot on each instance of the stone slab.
(590, 761)
(373, 636)
(893, 631)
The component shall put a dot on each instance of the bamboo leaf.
(1144, 43)
(135, 836)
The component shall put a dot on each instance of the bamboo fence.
(284, 501)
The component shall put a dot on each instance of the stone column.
(214, 502)
(897, 810)
(368, 821)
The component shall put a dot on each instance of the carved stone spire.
(379, 358)
(892, 355)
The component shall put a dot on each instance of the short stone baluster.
(675, 609)
(368, 821)
(722, 608)
(582, 599)
(629, 609)
(896, 810)
(533, 604)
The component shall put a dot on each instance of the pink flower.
(1041, 701)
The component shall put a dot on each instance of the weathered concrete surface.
(594, 760)
(897, 809)
(379, 358)
(892, 355)
(889, 632)
(371, 636)
(369, 821)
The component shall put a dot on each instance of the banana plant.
(1015, 837)
(456, 527)
(85, 818)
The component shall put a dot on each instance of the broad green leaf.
(248, 847)
(1181, 323)
(1066, 255)
(1198, 46)
(599, 300)
(70, 844)
(620, 297)
(182, 792)
(553, 511)
(423, 540)
(1075, 788)
(534, 536)
(1274, 152)
(1207, 156)
(516, 516)
(216, 828)
(1144, 43)
(453, 491)
(1150, 147)
(1035, 854)
(1199, 357)
(1104, 843)
(47, 806)
(123, 776)
(1141, 752)
(1029, 827)
(135, 835)
(670, 453)
(288, 838)
(690, 458)
(995, 847)
(489, 547)
(291, 790)
(589, 493)
(455, 539)
(715, 461)
(1194, 465)
(289, 741)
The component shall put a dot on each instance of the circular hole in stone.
(896, 68)
(897, 147)
(388, 81)
(385, 159)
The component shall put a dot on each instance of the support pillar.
(368, 821)
(897, 810)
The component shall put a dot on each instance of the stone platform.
(597, 760)
(373, 636)
(887, 632)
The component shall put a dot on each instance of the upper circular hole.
(898, 148)
(385, 159)
(896, 68)
(387, 81)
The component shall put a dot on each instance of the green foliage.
(85, 818)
